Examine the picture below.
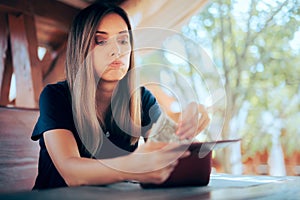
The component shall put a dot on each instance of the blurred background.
(248, 48)
(255, 46)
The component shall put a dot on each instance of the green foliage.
(253, 43)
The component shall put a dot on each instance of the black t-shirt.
(56, 113)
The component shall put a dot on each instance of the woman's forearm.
(75, 170)
(86, 171)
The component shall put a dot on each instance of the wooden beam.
(21, 62)
(48, 34)
(6, 81)
(57, 70)
(51, 58)
(3, 45)
(54, 10)
(36, 70)
(48, 59)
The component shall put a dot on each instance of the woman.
(90, 124)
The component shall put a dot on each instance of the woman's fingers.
(193, 122)
(204, 119)
(163, 174)
(159, 154)
(153, 162)
(159, 164)
(203, 124)
(189, 119)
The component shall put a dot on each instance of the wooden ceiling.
(51, 25)
(53, 17)
(83, 3)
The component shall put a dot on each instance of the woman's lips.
(116, 64)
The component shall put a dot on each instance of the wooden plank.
(49, 35)
(36, 71)
(46, 62)
(18, 154)
(55, 10)
(6, 82)
(21, 62)
(51, 58)
(5, 61)
(3, 45)
(57, 70)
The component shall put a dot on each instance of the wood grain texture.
(54, 10)
(21, 62)
(3, 45)
(18, 154)
(6, 81)
(7, 69)
(36, 71)
(224, 187)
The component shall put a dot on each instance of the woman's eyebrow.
(102, 32)
(125, 31)
(105, 33)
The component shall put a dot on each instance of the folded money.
(163, 130)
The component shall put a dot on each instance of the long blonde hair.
(83, 81)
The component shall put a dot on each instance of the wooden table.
(221, 186)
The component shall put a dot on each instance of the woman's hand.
(153, 162)
(194, 119)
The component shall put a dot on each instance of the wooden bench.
(18, 153)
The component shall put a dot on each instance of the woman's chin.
(113, 78)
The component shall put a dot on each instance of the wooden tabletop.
(221, 186)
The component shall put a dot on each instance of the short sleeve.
(55, 110)
(150, 110)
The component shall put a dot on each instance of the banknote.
(164, 130)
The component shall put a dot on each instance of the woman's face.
(111, 55)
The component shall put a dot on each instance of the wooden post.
(6, 81)
(56, 71)
(36, 68)
(21, 62)
(3, 46)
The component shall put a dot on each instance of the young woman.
(90, 124)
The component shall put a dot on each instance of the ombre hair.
(82, 80)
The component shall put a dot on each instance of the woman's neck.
(104, 93)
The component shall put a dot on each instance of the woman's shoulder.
(55, 110)
(56, 89)
(61, 86)
(145, 92)
(147, 98)
(55, 93)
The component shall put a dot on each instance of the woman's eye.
(101, 42)
(123, 41)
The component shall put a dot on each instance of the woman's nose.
(115, 49)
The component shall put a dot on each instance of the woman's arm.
(75, 170)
